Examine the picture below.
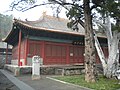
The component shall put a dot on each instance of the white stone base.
(35, 77)
(17, 71)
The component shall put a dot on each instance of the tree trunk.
(110, 64)
(108, 32)
(113, 40)
(100, 54)
(90, 70)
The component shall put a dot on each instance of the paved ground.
(48, 84)
(6, 84)
(24, 82)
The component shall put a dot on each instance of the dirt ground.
(6, 84)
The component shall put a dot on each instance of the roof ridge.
(53, 17)
(42, 18)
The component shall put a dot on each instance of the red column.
(19, 47)
(7, 54)
(43, 52)
(26, 50)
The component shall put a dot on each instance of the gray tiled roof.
(54, 23)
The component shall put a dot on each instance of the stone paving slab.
(6, 84)
(25, 82)
(46, 83)
(21, 85)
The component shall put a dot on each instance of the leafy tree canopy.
(5, 24)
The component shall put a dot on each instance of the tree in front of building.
(5, 25)
(111, 9)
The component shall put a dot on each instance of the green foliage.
(115, 28)
(73, 25)
(102, 6)
(102, 83)
(5, 24)
(110, 6)
(75, 14)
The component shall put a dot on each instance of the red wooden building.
(49, 38)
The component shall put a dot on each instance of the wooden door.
(76, 54)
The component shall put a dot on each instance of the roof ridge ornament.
(44, 13)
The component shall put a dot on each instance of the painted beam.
(50, 39)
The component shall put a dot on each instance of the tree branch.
(13, 5)
(63, 4)
(94, 6)
(24, 9)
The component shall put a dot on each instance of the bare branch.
(25, 9)
(64, 4)
(13, 5)
(81, 23)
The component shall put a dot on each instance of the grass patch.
(101, 84)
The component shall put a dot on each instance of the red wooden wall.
(15, 51)
(78, 54)
(22, 52)
(34, 48)
(56, 53)
(52, 53)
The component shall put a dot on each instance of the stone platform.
(47, 69)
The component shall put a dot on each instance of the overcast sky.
(32, 14)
